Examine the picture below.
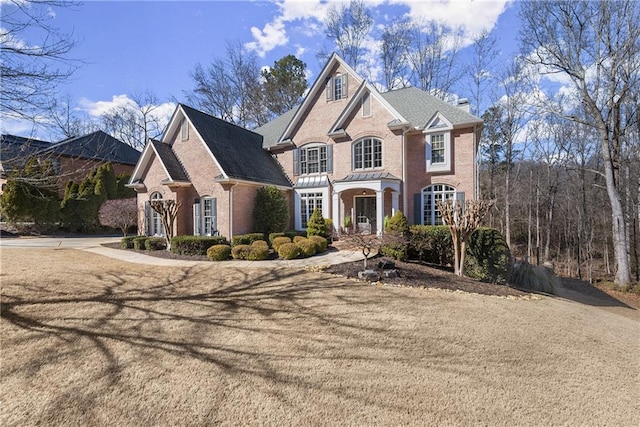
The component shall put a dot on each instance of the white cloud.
(98, 108)
(270, 37)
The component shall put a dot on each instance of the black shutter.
(417, 208)
(329, 158)
(296, 161)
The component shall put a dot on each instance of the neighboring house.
(72, 158)
(347, 150)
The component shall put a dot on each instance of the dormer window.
(337, 87)
(438, 145)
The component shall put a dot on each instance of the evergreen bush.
(139, 242)
(219, 252)
(127, 242)
(259, 251)
(396, 233)
(246, 239)
(155, 244)
(278, 241)
(316, 225)
(307, 247)
(270, 211)
(296, 239)
(288, 251)
(431, 243)
(240, 251)
(195, 245)
(321, 243)
(488, 257)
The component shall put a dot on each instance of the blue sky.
(134, 46)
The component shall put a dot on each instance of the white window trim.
(438, 167)
(298, 204)
(353, 155)
(433, 205)
(306, 154)
(199, 217)
(156, 228)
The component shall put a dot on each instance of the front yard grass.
(88, 340)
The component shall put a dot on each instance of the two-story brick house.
(348, 150)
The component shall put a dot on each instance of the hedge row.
(195, 245)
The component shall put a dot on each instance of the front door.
(366, 213)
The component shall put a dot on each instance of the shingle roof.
(95, 146)
(238, 151)
(170, 161)
(418, 107)
(273, 130)
(14, 150)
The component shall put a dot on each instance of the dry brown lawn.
(87, 340)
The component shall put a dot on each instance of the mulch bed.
(414, 274)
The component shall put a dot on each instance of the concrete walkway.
(94, 245)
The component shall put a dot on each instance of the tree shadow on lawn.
(280, 304)
(584, 293)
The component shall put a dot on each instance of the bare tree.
(433, 58)
(479, 69)
(168, 211)
(596, 44)
(347, 27)
(32, 69)
(394, 45)
(137, 121)
(230, 88)
(65, 121)
(462, 219)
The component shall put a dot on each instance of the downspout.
(231, 211)
(476, 163)
(404, 173)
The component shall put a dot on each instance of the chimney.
(463, 104)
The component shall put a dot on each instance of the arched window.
(155, 221)
(367, 154)
(432, 194)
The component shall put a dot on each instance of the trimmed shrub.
(127, 242)
(259, 251)
(278, 241)
(139, 242)
(297, 239)
(240, 251)
(288, 251)
(534, 278)
(155, 243)
(307, 247)
(488, 257)
(321, 243)
(219, 252)
(431, 243)
(270, 211)
(195, 245)
(273, 236)
(246, 239)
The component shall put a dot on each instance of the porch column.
(380, 211)
(335, 207)
(394, 202)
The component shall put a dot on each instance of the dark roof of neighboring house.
(95, 146)
(238, 151)
(15, 150)
(170, 161)
(415, 105)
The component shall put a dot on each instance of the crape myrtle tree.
(596, 45)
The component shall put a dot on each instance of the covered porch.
(365, 199)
